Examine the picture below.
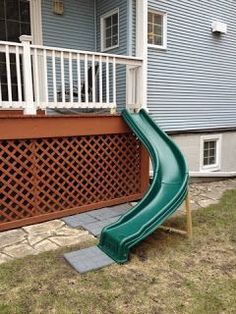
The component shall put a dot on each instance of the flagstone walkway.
(55, 234)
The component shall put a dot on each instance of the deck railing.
(39, 77)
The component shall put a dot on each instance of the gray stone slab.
(110, 212)
(79, 220)
(121, 209)
(96, 227)
(101, 214)
(89, 259)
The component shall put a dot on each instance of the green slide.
(166, 193)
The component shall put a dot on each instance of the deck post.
(30, 108)
(189, 217)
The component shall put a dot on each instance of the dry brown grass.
(166, 274)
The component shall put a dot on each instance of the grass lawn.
(166, 274)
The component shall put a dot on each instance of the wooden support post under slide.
(189, 226)
(189, 217)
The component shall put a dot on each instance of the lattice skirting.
(46, 178)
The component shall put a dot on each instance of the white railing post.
(30, 107)
(132, 101)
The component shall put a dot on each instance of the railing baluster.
(78, 79)
(86, 77)
(54, 78)
(8, 67)
(71, 78)
(100, 81)
(18, 75)
(107, 81)
(114, 81)
(45, 63)
(36, 77)
(93, 79)
(63, 78)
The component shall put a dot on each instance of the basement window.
(210, 152)
(110, 30)
(157, 29)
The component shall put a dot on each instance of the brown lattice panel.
(48, 178)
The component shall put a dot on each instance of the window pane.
(108, 21)
(2, 30)
(115, 30)
(108, 32)
(149, 28)
(212, 144)
(157, 40)
(150, 17)
(13, 31)
(4, 92)
(2, 9)
(205, 153)
(212, 160)
(115, 19)
(206, 145)
(158, 19)
(12, 10)
(108, 42)
(25, 29)
(24, 11)
(205, 162)
(150, 39)
(114, 40)
(158, 30)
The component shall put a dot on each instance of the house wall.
(74, 29)
(102, 7)
(190, 146)
(192, 84)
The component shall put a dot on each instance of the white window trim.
(164, 46)
(217, 165)
(102, 18)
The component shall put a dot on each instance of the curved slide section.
(166, 193)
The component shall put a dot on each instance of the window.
(210, 152)
(14, 22)
(14, 19)
(157, 29)
(110, 30)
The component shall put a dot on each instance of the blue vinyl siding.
(192, 85)
(74, 29)
(102, 7)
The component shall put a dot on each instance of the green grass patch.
(166, 274)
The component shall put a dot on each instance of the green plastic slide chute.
(166, 193)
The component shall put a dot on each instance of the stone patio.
(55, 234)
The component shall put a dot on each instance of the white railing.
(39, 77)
